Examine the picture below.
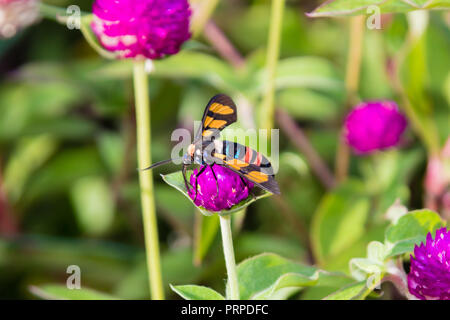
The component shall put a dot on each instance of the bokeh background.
(69, 191)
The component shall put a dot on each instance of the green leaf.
(411, 229)
(374, 80)
(387, 176)
(94, 204)
(414, 75)
(252, 243)
(193, 292)
(29, 155)
(305, 72)
(205, 234)
(111, 148)
(59, 292)
(174, 208)
(199, 66)
(45, 102)
(59, 174)
(308, 105)
(339, 221)
(350, 292)
(361, 268)
(269, 276)
(359, 7)
(176, 180)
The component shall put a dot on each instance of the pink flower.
(142, 28)
(16, 15)
(232, 189)
(429, 277)
(373, 126)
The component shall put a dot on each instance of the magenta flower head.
(232, 189)
(373, 126)
(141, 28)
(16, 15)
(429, 277)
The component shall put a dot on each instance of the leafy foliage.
(68, 181)
(197, 293)
(355, 7)
(267, 277)
(400, 238)
(57, 292)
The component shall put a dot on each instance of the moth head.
(189, 156)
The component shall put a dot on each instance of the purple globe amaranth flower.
(16, 15)
(429, 277)
(232, 189)
(373, 126)
(141, 28)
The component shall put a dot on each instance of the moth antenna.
(157, 164)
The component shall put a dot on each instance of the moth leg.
(249, 191)
(196, 181)
(214, 174)
(185, 179)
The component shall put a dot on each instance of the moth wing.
(261, 176)
(219, 113)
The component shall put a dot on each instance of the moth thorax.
(218, 145)
(191, 150)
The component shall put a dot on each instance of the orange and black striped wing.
(255, 175)
(219, 113)
(248, 163)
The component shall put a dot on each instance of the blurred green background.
(68, 179)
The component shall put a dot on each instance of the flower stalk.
(228, 251)
(351, 84)
(55, 13)
(142, 104)
(417, 104)
(267, 110)
(202, 12)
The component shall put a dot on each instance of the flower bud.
(429, 277)
(374, 126)
(229, 190)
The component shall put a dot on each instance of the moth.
(208, 150)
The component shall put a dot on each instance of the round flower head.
(373, 126)
(232, 189)
(141, 28)
(429, 277)
(16, 15)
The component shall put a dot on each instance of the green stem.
(201, 16)
(417, 104)
(354, 58)
(351, 83)
(146, 180)
(273, 51)
(227, 241)
(53, 13)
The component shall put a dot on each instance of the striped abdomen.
(234, 150)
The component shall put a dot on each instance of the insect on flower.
(207, 150)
